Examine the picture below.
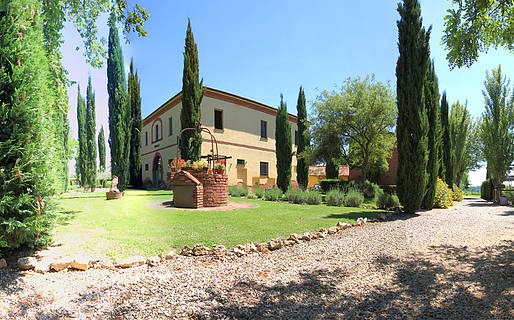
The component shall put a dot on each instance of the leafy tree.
(498, 125)
(304, 142)
(434, 127)
(136, 126)
(283, 146)
(327, 145)
(412, 124)
(90, 154)
(364, 113)
(192, 94)
(119, 113)
(460, 123)
(101, 149)
(475, 26)
(447, 143)
(26, 129)
(82, 135)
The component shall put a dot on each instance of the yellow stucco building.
(243, 128)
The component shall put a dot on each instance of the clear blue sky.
(262, 49)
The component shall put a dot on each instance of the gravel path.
(456, 263)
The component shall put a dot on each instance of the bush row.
(368, 189)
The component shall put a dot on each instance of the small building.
(243, 128)
(318, 173)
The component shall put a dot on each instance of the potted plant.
(200, 166)
(177, 163)
(219, 167)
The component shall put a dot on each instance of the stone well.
(187, 191)
(215, 188)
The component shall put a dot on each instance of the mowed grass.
(130, 226)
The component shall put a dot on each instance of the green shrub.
(297, 196)
(251, 196)
(232, 190)
(108, 184)
(272, 194)
(238, 191)
(329, 184)
(367, 188)
(391, 188)
(335, 197)
(312, 197)
(353, 198)
(458, 194)
(486, 191)
(443, 195)
(258, 191)
(387, 201)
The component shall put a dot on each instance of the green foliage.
(312, 197)
(101, 148)
(192, 94)
(82, 135)
(358, 118)
(412, 124)
(367, 188)
(335, 197)
(283, 146)
(258, 191)
(135, 166)
(304, 142)
(27, 127)
(475, 26)
(353, 198)
(297, 196)
(90, 155)
(498, 125)
(273, 194)
(458, 194)
(83, 15)
(460, 123)
(251, 196)
(119, 113)
(238, 191)
(486, 190)
(443, 196)
(447, 153)
(434, 128)
(387, 201)
(329, 184)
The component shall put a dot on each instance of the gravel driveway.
(456, 263)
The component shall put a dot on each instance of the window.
(296, 137)
(156, 132)
(241, 162)
(264, 129)
(171, 125)
(264, 169)
(146, 138)
(146, 166)
(218, 119)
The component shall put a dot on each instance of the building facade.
(244, 130)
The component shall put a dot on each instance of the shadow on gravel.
(445, 282)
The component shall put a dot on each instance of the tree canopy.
(283, 146)
(475, 26)
(362, 114)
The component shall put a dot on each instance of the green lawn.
(131, 227)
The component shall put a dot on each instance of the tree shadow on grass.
(354, 215)
(447, 282)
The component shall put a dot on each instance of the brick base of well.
(212, 190)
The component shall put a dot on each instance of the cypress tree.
(25, 159)
(101, 149)
(136, 126)
(192, 94)
(304, 142)
(283, 146)
(432, 105)
(447, 148)
(119, 122)
(82, 135)
(90, 137)
(412, 123)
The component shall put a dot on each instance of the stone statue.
(114, 184)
